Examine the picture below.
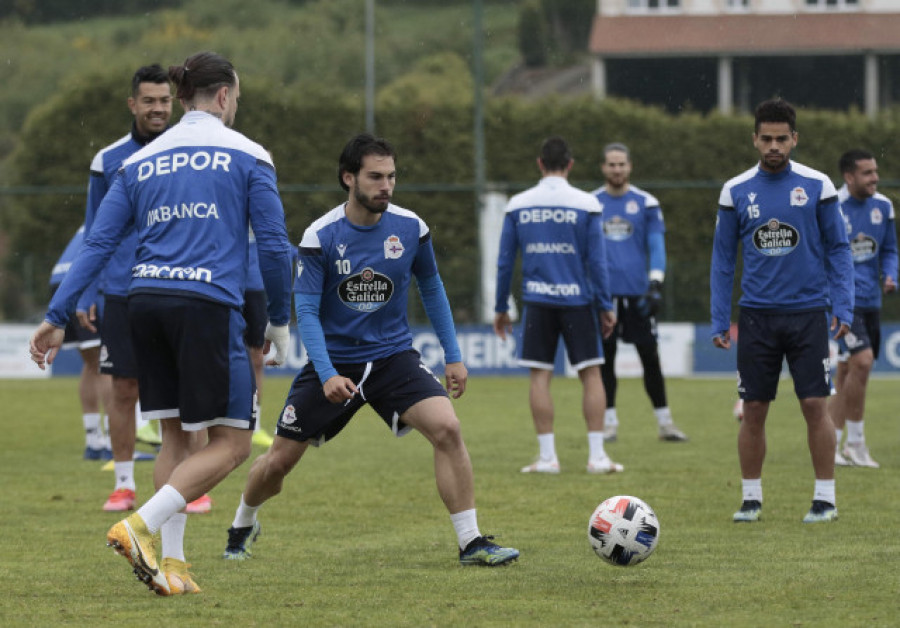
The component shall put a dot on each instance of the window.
(832, 5)
(737, 5)
(654, 6)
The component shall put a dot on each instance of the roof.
(701, 35)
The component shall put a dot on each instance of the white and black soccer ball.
(623, 530)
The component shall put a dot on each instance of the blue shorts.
(542, 328)
(256, 316)
(194, 364)
(631, 326)
(865, 333)
(117, 353)
(391, 386)
(765, 339)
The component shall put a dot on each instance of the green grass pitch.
(359, 536)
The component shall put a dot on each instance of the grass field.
(360, 538)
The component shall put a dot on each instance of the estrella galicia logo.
(776, 238)
(366, 291)
(617, 229)
(863, 248)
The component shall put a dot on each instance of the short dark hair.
(776, 110)
(203, 73)
(356, 149)
(848, 160)
(148, 74)
(555, 154)
(616, 146)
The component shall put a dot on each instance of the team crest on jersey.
(393, 248)
(617, 229)
(863, 248)
(876, 216)
(341, 249)
(366, 291)
(798, 197)
(776, 238)
(632, 207)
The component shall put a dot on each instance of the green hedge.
(681, 159)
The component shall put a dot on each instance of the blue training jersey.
(873, 244)
(254, 276)
(795, 252)
(557, 228)
(116, 276)
(629, 222)
(192, 195)
(361, 277)
(68, 256)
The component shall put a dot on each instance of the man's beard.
(376, 207)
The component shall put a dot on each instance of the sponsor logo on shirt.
(798, 197)
(617, 229)
(863, 248)
(179, 211)
(553, 289)
(548, 215)
(776, 238)
(366, 291)
(186, 273)
(172, 163)
(542, 248)
(393, 248)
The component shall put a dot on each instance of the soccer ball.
(623, 530)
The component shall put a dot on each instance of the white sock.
(245, 516)
(547, 444)
(172, 533)
(107, 443)
(663, 416)
(124, 474)
(824, 491)
(257, 411)
(855, 432)
(595, 446)
(838, 434)
(165, 503)
(752, 489)
(93, 437)
(466, 525)
(610, 418)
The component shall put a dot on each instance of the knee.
(447, 432)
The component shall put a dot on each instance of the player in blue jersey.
(787, 220)
(150, 103)
(564, 283)
(93, 386)
(355, 269)
(634, 230)
(192, 195)
(873, 243)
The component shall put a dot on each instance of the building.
(730, 54)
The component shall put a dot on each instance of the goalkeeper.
(634, 230)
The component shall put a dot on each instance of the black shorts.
(865, 333)
(766, 339)
(194, 364)
(77, 336)
(117, 353)
(391, 386)
(631, 326)
(542, 328)
(256, 316)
